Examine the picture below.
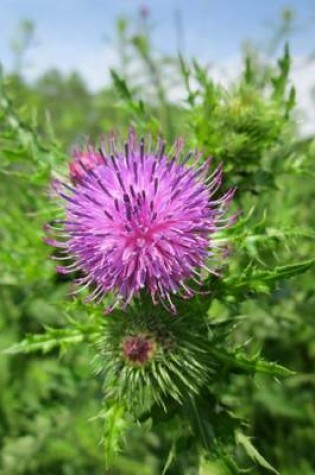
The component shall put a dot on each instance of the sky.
(78, 34)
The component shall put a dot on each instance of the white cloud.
(303, 78)
(93, 64)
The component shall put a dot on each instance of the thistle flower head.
(140, 220)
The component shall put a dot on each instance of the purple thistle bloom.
(140, 220)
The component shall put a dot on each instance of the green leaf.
(52, 338)
(170, 458)
(214, 467)
(252, 365)
(115, 425)
(257, 280)
(248, 73)
(252, 452)
(121, 85)
(290, 270)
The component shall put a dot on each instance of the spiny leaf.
(121, 86)
(252, 365)
(252, 452)
(52, 338)
(248, 73)
(280, 82)
(115, 425)
(257, 280)
(170, 458)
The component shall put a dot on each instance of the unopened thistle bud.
(146, 356)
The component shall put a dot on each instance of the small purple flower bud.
(138, 349)
(144, 12)
(82, 162)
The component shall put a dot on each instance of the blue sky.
(74, 33)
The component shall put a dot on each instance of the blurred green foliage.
(50, 401)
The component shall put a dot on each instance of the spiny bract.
(140, 220)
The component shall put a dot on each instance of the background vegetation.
(50, 400)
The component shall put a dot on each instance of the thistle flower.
(140, 220)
